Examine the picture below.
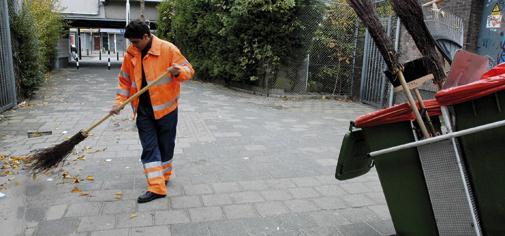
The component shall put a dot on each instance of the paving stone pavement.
(244, 165)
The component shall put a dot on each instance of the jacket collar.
(155, 47)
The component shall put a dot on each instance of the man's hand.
(175, 70)
(115, 110)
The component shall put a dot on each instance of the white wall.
(83, 7)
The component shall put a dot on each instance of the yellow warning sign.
(496, 10)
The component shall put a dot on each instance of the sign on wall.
(495, 18)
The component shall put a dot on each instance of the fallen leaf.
(66, 175)
(7, 172)
(133, 215)
(84, 194)
(76, 190)
(34, 176)
(90, 178)
(76, 180)
(82, 158)
(119, 195)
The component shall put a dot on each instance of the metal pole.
(439, 138)
(115, 43)
(127, 12)
(307, 73)
(100, 42)
(79, 42)
(364, 66)
(142, 6)
(91, 44)
(356, 31)
(127, 21)
(336, 79)
(397, 46)
(8, 53)
(384, 80)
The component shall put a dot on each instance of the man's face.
(140, 44)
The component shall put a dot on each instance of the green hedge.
(35, 31)
(49, 27)
(240, 39)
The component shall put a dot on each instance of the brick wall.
(470, 11)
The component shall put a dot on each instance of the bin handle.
(352, 125)
(451, 135)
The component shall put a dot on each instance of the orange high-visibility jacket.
(165, 94)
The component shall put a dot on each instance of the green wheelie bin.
(400, 173)
(476, 104)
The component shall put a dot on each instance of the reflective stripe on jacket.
(165, 94)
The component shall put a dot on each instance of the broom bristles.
(366, 12)
(411, 15)
(45, 159)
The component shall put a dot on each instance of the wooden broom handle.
(130, 99)
(413, 106)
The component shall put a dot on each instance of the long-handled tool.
(365, 11)
(411, 16)
(417, 72)
(50, 157)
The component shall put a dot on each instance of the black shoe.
(148, 196)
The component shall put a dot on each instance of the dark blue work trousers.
(158, 142)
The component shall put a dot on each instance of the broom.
(45, 159)
(411, 15)
(366, 12)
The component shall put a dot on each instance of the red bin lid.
(491, 82)
(395, 114)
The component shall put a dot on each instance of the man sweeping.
(147, 58)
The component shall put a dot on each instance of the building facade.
(96, 27)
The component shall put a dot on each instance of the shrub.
(35, 31)
(240, 39)
(49, 27)
(25, 50)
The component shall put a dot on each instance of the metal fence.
(375, 89)
(329, 68)
(7, 79)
